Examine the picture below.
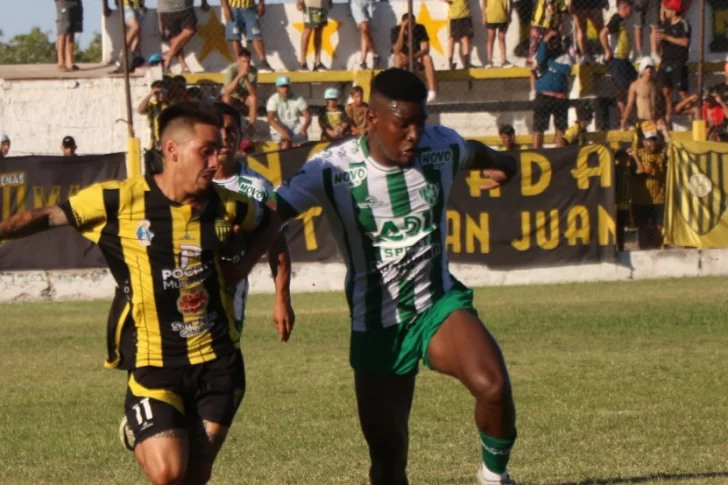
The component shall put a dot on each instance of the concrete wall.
(98, 284)
(282, 24)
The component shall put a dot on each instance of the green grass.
(614, 383)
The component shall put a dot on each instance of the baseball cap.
(676, 5)
(283, 81)
(646, 62)
(4, 138)
(649, 129)
(331, 93)
(69, 142)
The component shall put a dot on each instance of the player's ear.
(170, 149)
(372, 118)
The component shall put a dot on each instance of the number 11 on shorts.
(143, 411)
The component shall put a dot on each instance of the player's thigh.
(219, 387)
(384, 403)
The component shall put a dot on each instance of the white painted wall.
(282, 38)
(314, 277)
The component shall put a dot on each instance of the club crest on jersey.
(437, 159)
(430, 194)
(352, 177)
(223, 229)
(143, 234)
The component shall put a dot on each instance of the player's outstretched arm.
(24, 224)
(500, 167)
(280, 265)
(261, 239)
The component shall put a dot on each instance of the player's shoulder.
(340, 154)
(439, 134)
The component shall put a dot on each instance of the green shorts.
(397, 350)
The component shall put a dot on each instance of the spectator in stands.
(152, 106)
(674, 39)
(315, 18)
(648, 186)
(461, 31)
(643, 94)
(617, 50)
(623, 170)
(714, 108)
(334, 123)
(549, 15)
(357, 111)
(552, 88)
(496, 18)
(4, 145)
(69, 20)
(243, 18)
(247, 147)
(648, 12)
(194, 93)
(68, 146)
(577, 133)
(178, 24)
(363, 12)
(241, 86)
(421, 56)
(284, 116)
(584, 11)
(134, 11)
(508, 138)
(722, 88)
(177, 90)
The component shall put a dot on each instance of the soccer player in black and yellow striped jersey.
(171, 240)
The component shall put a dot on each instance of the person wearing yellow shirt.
(497, 18)
(617, 47)
(461, 31)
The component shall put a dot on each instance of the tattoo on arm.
(25, 224)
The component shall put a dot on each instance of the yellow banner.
(697, 195)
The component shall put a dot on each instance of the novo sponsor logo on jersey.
(352, 177)
(245, 187)
(437, 159)
(196, 327)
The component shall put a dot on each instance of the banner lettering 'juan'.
(558, 210)
(28, 183)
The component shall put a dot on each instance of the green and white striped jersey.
(389, 222)
(251, 183)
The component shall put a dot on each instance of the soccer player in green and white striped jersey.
(385, 195)
(234, 174)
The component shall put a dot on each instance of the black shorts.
(673, 77)
(498, 26)
(648, 215)
(173, 23)
(588, 4)
(460, 28)
(648, 13)
(545, 106)
(69, 17)
(163, 398)
(623, 73)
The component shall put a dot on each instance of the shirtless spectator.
(357, 111)
(642, 94)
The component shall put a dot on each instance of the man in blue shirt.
(552, 88)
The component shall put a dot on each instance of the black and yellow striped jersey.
(165, 258)
(134, 3)
(241, 3)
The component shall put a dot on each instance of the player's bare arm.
(261, 240)
(25, 224)
(498, 166)
(279, 260)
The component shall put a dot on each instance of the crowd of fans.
(68, 146)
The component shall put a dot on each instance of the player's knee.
(165, 473)
(492, 388)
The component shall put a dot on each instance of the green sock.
(496, 452)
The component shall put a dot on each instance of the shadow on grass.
(620, 481)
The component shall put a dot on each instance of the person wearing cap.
(576, 134)
(152, 106)
(642, 94)
(334, 123)
(284, 111)
(648, 185)
(4, 145)
(508, 138)
(68, 146)
(421, 44)
(617, 47)
(674, 39)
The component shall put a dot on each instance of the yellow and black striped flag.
(697, 195)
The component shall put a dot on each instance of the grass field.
(615, 383)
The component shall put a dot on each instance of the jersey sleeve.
(302, 104)
(614, 24)
(302, 191)
(230, 74)
(272, 105)
(86, 211)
